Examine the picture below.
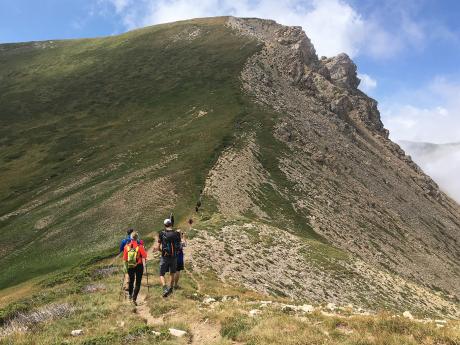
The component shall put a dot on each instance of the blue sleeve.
(122, 245)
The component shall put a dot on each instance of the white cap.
(167, 222)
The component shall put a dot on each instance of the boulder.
(407, 314)
(177, 332)
(331, 306)
(209, 300)
(76, 332)
(307, 308)
(254, 312)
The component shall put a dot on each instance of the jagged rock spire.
(342, 70)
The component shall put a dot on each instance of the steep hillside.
(304, 196)
(331, 162)
(102, 134)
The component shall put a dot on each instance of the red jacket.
(142, 252)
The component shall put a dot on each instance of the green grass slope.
(76, 299)
(100, 134)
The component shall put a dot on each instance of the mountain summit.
(303, 194)
(332, 165)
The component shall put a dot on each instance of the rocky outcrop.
(289, 56)
(362, 192)
(342, 71)
(305, 272)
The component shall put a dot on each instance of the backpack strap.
(162, 238)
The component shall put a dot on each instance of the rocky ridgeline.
(290, 52)
(359, 189)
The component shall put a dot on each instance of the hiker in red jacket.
(134, 257)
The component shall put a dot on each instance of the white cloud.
(120, 5)
(367, 82)
(437, 122)
(430, 114)
(441, 162)
(334, 26)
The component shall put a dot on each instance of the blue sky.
(407, 51)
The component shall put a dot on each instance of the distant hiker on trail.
(134, 257)
(169, 244)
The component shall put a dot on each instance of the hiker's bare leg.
(172, 278)
(162, 280)
(176, 278)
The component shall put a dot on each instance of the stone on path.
(407, 314)
(254, 312)
(307, 308)
(77, 332)
(177, 332)
(331, 306)
(209, 300)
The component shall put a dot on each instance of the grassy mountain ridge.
(83, 121)
(305, 197)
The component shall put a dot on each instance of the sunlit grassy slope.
(225, 321)
(100, 134)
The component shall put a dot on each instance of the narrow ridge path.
(202, 332)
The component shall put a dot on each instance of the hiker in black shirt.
(169, 244)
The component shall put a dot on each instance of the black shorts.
(167, 264)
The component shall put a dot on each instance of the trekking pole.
(122, 293)
(147, 276)
(171, 218)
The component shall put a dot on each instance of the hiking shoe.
(134, 302)
(165, 291)
(130, 297)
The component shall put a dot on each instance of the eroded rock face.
(342, 71)
(362, 192)
(234, 178)
(290, 47)
(289, 56)
(283, 265)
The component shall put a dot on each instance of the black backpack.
(170, 243)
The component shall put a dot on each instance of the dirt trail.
(143, 310)
(202, 332)
(205, 333)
